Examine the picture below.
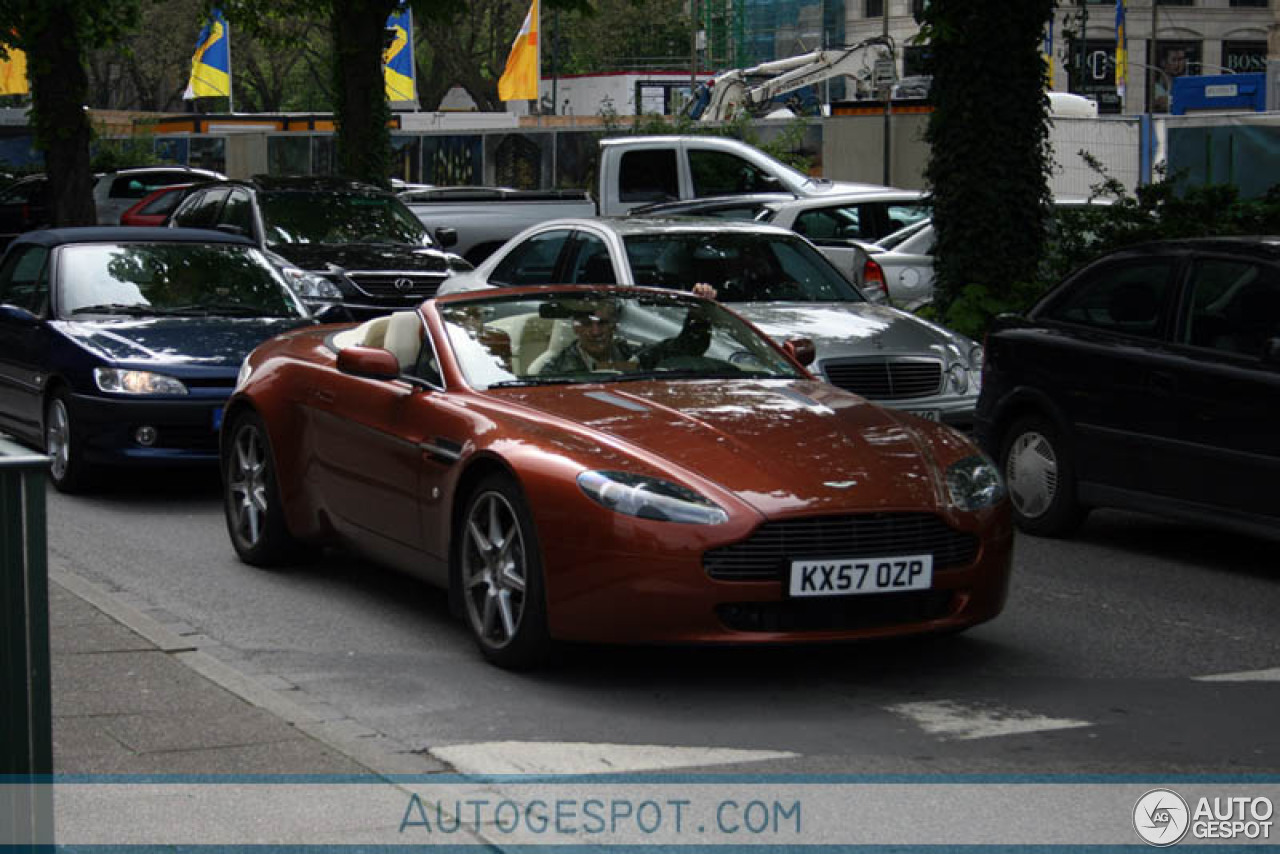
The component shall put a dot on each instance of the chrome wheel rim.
(247, 485)
(1031, 472)
(58, 439)
(494, 570)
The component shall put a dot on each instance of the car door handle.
(322, 395)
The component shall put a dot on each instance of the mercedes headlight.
(649, 498)
(974, 483)
(123, 381)
(310, 287)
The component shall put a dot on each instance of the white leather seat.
(404, 337)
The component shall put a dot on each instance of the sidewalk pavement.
(132, 695)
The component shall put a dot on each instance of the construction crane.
(752, 89)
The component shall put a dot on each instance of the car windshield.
(586, 336)
(315, 216)
(146, 279)
(742, 267)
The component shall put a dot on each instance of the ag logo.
(1161, 817)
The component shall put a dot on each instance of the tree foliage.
(989, 160)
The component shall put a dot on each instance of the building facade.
(1191, 37)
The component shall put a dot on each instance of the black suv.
(1148, 380)
(337, 241)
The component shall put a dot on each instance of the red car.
(155, 207)
(611, 465)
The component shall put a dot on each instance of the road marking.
(551, 757)
(952, 720)
(1272, 675)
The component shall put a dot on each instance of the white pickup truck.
(634, 171)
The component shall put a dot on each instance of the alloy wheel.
(247, 485)
(494, 570)
(58, 439)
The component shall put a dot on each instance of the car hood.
(364, 256)
(220, 342)
(779, 446)
(852, 329)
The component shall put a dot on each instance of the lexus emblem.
(404, 285)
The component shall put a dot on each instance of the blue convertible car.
(120, 345)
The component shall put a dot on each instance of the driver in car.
(596, 347)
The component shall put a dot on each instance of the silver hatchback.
(770, 276)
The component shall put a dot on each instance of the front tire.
(251, 498)
(1041, 479)
(499, 573)
(64, 444)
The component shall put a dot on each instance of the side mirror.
(801, 350)
(446, 237)
(370, 362)
(17, 314)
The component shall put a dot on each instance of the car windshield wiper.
(230, 309)
(531, 381)
(683, 374)
(118, 308)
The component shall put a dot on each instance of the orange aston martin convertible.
(611, 465)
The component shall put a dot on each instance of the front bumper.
(621, 589)
(186, 429)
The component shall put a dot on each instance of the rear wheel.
(251, 497)
(1040, 475)
(499, 572)
(63, 443)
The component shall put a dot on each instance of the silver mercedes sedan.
(771, 276)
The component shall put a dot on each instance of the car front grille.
(384, 285)
(886, 379)
(836, 613)
(767, 554)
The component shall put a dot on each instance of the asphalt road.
(1142, 646)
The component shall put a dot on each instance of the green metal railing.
(26, 715)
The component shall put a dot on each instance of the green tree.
(989, 160)
(53, 34)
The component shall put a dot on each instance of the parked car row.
(25, 204)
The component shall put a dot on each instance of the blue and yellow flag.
(211, 65)
(397, 60)
(1122, 55)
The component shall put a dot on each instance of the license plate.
(862, 575)
(927, 414)
(217, 419)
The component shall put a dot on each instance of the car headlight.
(124, 381)
(649, 498)
(958, 378)
(974, 483)
(976, 356)
(310, 287)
